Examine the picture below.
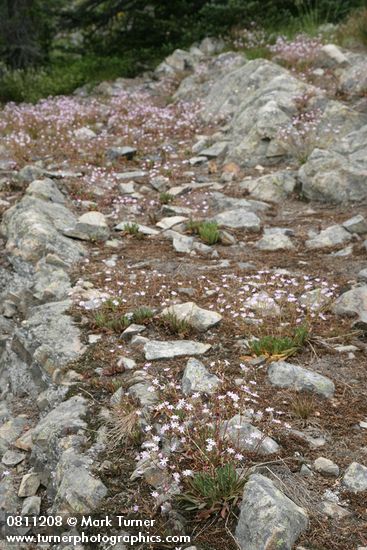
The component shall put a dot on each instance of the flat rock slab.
(155, 349)
(199, 318)
(144, 229)
(268, 518)
(286, 375)
(247, 437)
(170, 221)
(239, 218)
(355, 478)
(196, 378)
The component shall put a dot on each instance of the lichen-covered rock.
(65, 419)
(355, 478)
(286, 375)
(78, 491)
(196, 378)
(247, 437)
(268, 518)
(34, 227)
(352, 303)
(37, 349)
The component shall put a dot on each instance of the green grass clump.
(213, 492)
(176, 325)
(133, 230)
(142, 314)
(280, 346)
(207, 230)
(109, 322)
(165, 198)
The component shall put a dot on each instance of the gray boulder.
(352, 303)
(196, 378)
(78, 491)
(337, 174)
(89, 227)
(268, 518)
(34, 227)
(274, 241)
(286, 375)
(239, 219)
(273, 187)
(329, 237)
(65, 419)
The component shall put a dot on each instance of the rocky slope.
(132, 351)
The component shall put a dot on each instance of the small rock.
(326, 467)
(355, 478)
(195, 161)
(127, 188)
(200, 319)
(29, 485)
(144, 229)
(132, 330)
(84, 133)
(143, 392)
(333, 510)
(171, 221)
(215, 150)
(330, 56)
(357, 224)
(94, 338)
(196, 378)
(126, 362)
(226, 238)
(114, 153)
(181, 243)
(246, 436)
(352, 303)
(134, 175)
(159, 183)
(12, 458)
(31, 506)
(305, 471)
